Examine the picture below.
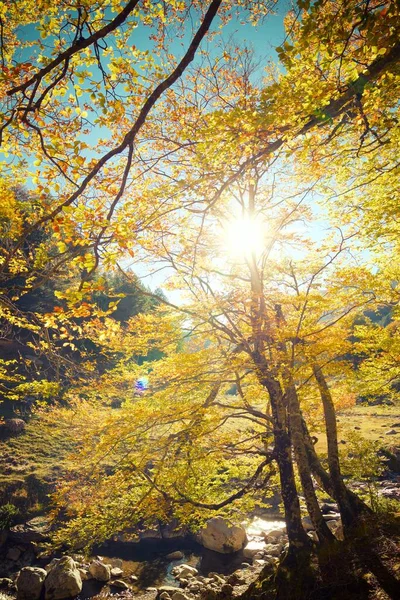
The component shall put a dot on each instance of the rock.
(175, 555)
(35, 530)
(336, 528)
(63, 581)
(333, 516)
(180, 596)
(391, 432)
(117, 562)
(184, 571)
(6, 583)
(164, 596)
(133, 578)
(170, 589)
(153, 533)
(118, 583)
(245, 565)
(209, 594)
(275, 534)
(226, 590)
(30, 583)
(328, 507)
(237, 578)
(116, 572)
(250, 552)
(15, 425)
(52, 564)
(307, 524)
(98, 570)
(84, 573)
(273, 549)
(223, 536)
(13, 553)
(260, 562)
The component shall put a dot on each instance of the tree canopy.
(267, 194)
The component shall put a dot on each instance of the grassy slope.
(30, 462)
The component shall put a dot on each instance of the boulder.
(100, 571)
(116, 572)
(63, 581)
(221, 535)
(35, 530)
(30, 583)
(52, 564)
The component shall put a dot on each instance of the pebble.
(118, 583)
(175, 555)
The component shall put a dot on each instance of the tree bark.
(359, 507)
(340, 490)
(283, 452)
(296, 430)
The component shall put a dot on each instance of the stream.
(147, 560)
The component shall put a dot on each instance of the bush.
(8, 514)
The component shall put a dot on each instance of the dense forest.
(199, 299)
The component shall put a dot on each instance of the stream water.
(147, 560)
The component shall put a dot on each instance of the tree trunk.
(359, 507)
(283, 451)
(340, 490)
(296, 430)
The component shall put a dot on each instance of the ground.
(30, 462)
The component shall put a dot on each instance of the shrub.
(8, 514)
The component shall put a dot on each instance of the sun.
(244, 237)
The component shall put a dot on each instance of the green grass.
(371, 422)
(31, 462)
(374, 422)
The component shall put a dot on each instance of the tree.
(271, 332)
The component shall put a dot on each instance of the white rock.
(116, 572)
(184, 571)
(63, 581)
(222, 536)
(30, 583)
